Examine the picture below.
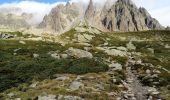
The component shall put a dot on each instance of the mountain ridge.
(123, 16)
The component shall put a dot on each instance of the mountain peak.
(89, 13)
(125, 1)
(122, 15)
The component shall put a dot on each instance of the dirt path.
(136, 87)
(136, 91)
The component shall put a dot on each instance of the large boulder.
(78, 53)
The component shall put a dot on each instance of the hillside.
(84, 63)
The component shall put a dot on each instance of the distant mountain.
(13, 21)
(123, 15)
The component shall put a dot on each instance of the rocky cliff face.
(60, 18)
(123, 15)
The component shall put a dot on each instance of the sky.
(159, 9)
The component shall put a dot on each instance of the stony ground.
(86, 64)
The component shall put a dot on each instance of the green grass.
(23, 67)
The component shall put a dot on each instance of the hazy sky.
(159, 9)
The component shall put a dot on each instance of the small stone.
(167, 46)
(64, 56)
(34, 85)
(62, 78)
(130, 46)
(11, 94)
(55, 55)
(115, 66)
(151, 50)
(49, 97)
(155, 93)
(22, 42)
(35, 55)
(17, 99)
(148, 71)
(100, 86)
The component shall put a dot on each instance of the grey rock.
(48, 97)
(22, 42)
(17, 99)
(62, 78)
(10, 94)
(72, 98)
(75, 85)
(35, 55)
(79, 53)
(6, 36)
(115, 66)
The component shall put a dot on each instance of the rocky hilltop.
(123, 15)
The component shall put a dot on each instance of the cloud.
(162, 14)
(38, 9)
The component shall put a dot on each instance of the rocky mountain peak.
(123, 15)
(89, 13)
(125, 1)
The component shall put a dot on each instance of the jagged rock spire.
(89, 11)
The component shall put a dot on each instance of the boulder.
(64, 56)
(48, 97)
(72, 98)
(22, 42)
(78, 53)
(115, 52)
(6, 36)
(115, 66)
(75, 85)
(35, 55)
(130, 46)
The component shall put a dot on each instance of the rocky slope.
(84, 63)
(123, 15)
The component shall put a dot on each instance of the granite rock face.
(125, 16)
(122, 15)
(60, 18)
